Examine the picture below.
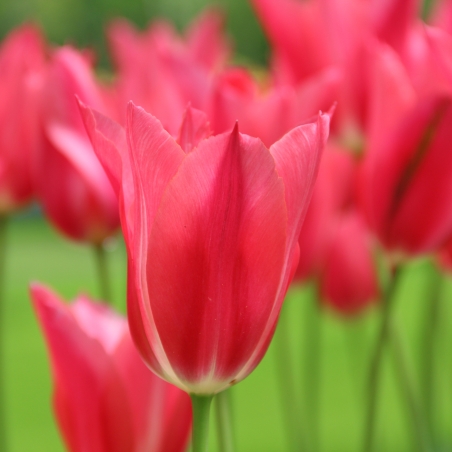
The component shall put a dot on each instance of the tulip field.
(226, 237)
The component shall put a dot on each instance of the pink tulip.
(105, 399)
(310, 36)
(163, 72)
(349, 279)
(21, 80)
(211, 237)
(407, 172)
(75, 193)
(332, 194)
(268, 112)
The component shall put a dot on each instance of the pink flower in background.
(71, 184)
(268, 112)
(163, 72)
(211, 231)
(335, 245)
(105, 399)
(21, 81)
(332, 194)
(406, 180)
(310, 36)
(349, 281)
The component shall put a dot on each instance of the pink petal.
(161, 413)
(109, 142)
(349, 280)
(90, 401)
(194, 128)
(215, 255)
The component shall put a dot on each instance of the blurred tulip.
(105, 398)
(163, 72)
(212, 240)
(335, 245)
(71, 184)
(407, 173)
(268, 112)
(349, 280)
(21, 81)
(310, 36)
(332, 194)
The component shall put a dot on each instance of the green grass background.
(37, 253)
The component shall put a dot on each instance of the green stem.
(201, 414)
(408, 387)
(376, 360)
(102, 271)
(294, 420)
(312, 364)
(3, 432)
(224, 421)
(430, 336)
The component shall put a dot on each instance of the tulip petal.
(195, 127)
(297, 157)
(109, 142)
(155, 158)
(91, 399)
(215, 256)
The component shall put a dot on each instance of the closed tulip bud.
(212, 239)
(21, 81)
(406, 178)
(349, 280)
(75, 193)
(105, 399)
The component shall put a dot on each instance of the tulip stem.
(376, 360)
(201, 414)
(294, 421)
(102, 271)
(312, 363)
(408, 387)
(3, 433)
(224, 421)
(428, 364)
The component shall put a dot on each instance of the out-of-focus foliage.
(83, 22)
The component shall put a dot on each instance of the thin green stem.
(376, 360)
(408, 387)
(102, 271)
(430, 337)
(201, 415)
(3, 431)
(225, 428)
(294, 421)
(312, 364)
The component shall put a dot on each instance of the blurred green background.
(82, 22)
(36, 252)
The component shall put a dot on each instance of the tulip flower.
(75, 193)
(21, 80)
(407, 175)
(163, 72)
(349, 280)
(211, 237)
(268, 112)
(310, 36)
(105, 399)
(332, 194)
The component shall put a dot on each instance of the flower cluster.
(209, 169)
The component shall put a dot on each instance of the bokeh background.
(36, 252)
